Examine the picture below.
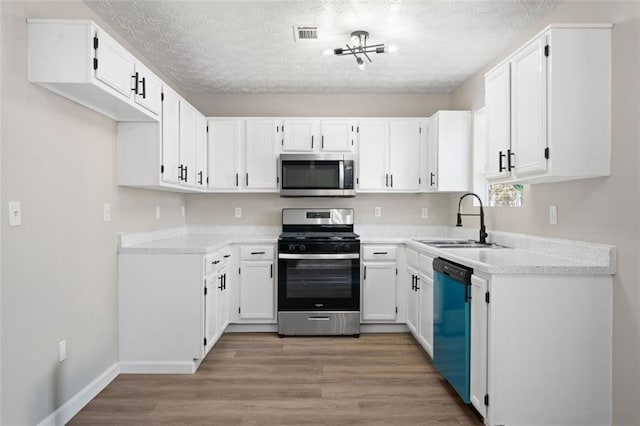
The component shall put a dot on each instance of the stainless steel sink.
(459, 244)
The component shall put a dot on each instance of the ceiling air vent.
(305, 32)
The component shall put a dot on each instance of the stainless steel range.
(318, 273)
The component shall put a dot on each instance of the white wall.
(601, 210)
(59, 269)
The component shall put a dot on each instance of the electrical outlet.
(238, 212)
(184, 211)
(425, 213)
(553, 215)
(377, 211)
(15, 213)
(157, 212)
(106, 212)
(62, 349)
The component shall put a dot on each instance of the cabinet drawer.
(256, 253)
(378, 253)
(412, 258)
(212, 262)
(225, 255)
(426, 265)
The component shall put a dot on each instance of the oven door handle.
(318, 318)
(319, 256)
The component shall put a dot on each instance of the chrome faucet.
(483, 230)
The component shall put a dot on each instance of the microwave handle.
(341, 174)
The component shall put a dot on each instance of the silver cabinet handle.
(318, 318)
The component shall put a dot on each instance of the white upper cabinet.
(318, 135)
(78, 60)
(201, 151)
(404, 155)
(170, 137)
(372, 156)
(225, 139)
(261, 154)
(114, 65)
(389, 155)
(337, 135)
(300, 135)
(498, 107)
(449, 152)
(187, 145)
(147, 89)
(549, 107)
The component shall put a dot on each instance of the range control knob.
(302, 247)
(292, 247)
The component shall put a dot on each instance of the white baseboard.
(159, 367)
(73, 406)
(252, 328)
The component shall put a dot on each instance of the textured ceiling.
(237, 46)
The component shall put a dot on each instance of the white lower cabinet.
(541, 349)
(380, 294)
(379, 291)
(211, 311)
(420, 298)
(257, 292)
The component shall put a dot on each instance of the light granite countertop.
(525, 254)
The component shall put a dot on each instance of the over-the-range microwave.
(317, 175)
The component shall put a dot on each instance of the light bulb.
(329, 52)
(392, 48)
(361, 64)
(355, 41)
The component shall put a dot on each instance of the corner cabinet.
(548, 107)
(170, 154)
(80, 61)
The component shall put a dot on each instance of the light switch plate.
(184, 211)
(157, 212)
(238, 212)
(62, 350)
(553, 214)
(15, 213)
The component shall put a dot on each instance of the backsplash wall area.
(266, 209)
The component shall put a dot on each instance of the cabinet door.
(201, 151)
(479, 323)
(372, 155)
(224, 153)
(170, 137)
(257, 293)
(379, 291)
(148, 89)
(300, 135)
(187, 144)
(413, 302)
(337, 135)
(528, 109)
(404, 155)
(426, 312)
(223, 300)
(498, 110)
(211, 310)
(115, 65)
(261, 158)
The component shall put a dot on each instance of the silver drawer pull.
(257, 252)
(380, 252)
(318, 318)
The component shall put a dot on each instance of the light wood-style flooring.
(261, 379)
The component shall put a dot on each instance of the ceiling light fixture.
(359, 47)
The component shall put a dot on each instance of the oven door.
(319, 282)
